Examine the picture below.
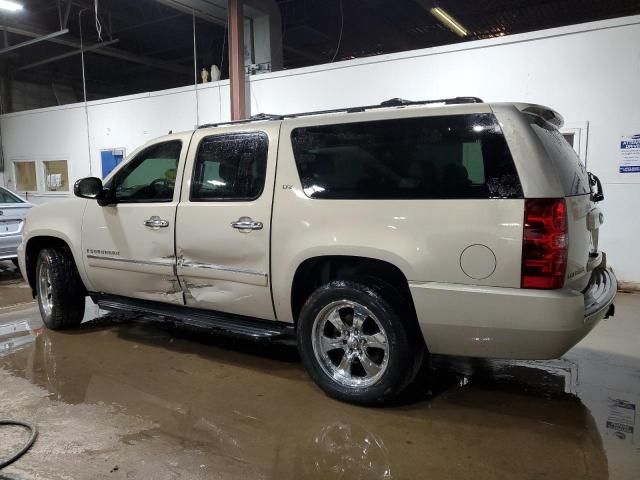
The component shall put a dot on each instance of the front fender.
(60, 220)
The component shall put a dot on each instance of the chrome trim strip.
(125, 260)
(221, 268)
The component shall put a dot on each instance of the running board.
(228, 323)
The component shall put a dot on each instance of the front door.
(128, 246)
(224, 221)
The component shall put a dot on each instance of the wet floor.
(139, 399)
(13, 289)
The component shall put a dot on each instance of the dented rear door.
(223, 223)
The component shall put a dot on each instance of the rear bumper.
(514, 323)
(9, 246)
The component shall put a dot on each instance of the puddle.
(206, 403)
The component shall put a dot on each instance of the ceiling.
(150, 44)
(372, 27)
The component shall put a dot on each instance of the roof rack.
(393, 102)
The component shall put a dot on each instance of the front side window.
(448, 157)
(150, 176)
(230, 167)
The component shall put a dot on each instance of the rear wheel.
(61, 295)
(355, 345)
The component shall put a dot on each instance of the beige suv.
(376, 235)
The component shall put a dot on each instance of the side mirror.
(90, 187)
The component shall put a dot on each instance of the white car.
(13, 210)
(376, 235)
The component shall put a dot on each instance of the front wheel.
(355, 345)
(60, 292)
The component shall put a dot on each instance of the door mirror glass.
(90, 187)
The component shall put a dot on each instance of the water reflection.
(16, 335)
(250, 409)
(346, 450)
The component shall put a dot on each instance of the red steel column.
(236, 60)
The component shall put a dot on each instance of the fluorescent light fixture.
(11, 6)
(449, 22)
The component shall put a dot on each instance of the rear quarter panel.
(423, 238)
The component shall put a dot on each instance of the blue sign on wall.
(110, 160)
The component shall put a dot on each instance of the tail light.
(545, 243)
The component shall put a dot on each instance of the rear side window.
(455, 156)
(230, 167)
(572, 172)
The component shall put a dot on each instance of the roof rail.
(393, 102)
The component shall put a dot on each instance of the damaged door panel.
(223, 223)
(128, 243)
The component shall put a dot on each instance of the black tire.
(403, 352)
(62, 306)
(15, 263)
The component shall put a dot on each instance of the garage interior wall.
(587, 72)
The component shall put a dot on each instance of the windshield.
(572, 172)
(7, 197)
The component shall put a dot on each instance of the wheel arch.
(34, 245)
(319, 270)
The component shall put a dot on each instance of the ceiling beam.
(34, 40)
(64, 17)
(90, 48)
(107, 51)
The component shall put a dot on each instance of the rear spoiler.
(551, 116)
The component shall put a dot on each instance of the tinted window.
(230, 167)
(456, 156)
(150, 176)
(572, 172)
(8, 197)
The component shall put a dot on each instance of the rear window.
(572, 172)
(455, 156)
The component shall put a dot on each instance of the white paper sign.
(630, 154)
(622, 417)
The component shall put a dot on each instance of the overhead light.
(11, 6)
(449, 22)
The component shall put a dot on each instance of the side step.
(228, 323)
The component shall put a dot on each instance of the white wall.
(589, 73)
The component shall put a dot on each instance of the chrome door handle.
(156, 222)
(246, 223)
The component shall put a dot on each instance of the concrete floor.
(137, 400)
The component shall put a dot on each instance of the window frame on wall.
(41, 176)
(45, 186)
(580, 133)
(15, 174)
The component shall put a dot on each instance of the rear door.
(223, 224)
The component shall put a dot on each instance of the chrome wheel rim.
(350, 344)
(45, 290)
